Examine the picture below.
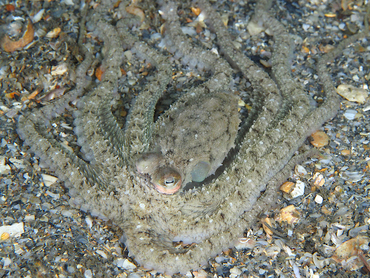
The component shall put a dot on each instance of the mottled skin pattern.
(179, 232)
(195, 137)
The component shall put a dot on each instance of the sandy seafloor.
(328, 232)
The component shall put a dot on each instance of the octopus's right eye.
(166, 180)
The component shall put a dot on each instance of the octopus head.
(148, 163)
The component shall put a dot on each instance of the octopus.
(138, 176)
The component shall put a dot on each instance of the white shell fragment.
(14, 230)
(298, 189)
(59, 69)
(48, 179)
(350, 114)
(292, 189)
(125, 264)
(299, 170)
(102, 253)
(254, 28)
(235, 272)
(38, 16)
(4, 169)
(53, 33)
(245, 243)
(352, 93)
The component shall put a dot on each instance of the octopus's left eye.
(166, 180)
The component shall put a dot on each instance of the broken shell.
(14, 230)
(319, 139)
(166, 180)
(266, 224)
(10, 46)
(352, 93)
(318, 179)
(48, 179)
(299, 170)
(195, 11)
(349, 249)
(53, 33)
(289, 214)
(293, 189)
(245, 243)
(254, 28)
(59, 69)
(136, 11)
(99, 72)
(287, 187)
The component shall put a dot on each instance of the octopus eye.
(200, 171)
(167, 180)
(148, 162)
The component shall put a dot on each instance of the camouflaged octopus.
(136, 176)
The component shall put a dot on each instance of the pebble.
(88, 273)
(29, 218)
(6, 262)
(89, 221)
(235, 272)
(305, 26)
(318, 199)
(350, 114)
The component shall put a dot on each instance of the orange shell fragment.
(349, 248)
(10, 46)
(289, 214)
(136, 11)
(287, 187)
(196, 11)
(319, 139)
(99, 73)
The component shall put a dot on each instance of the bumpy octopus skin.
(192, 140)
(178, 232)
